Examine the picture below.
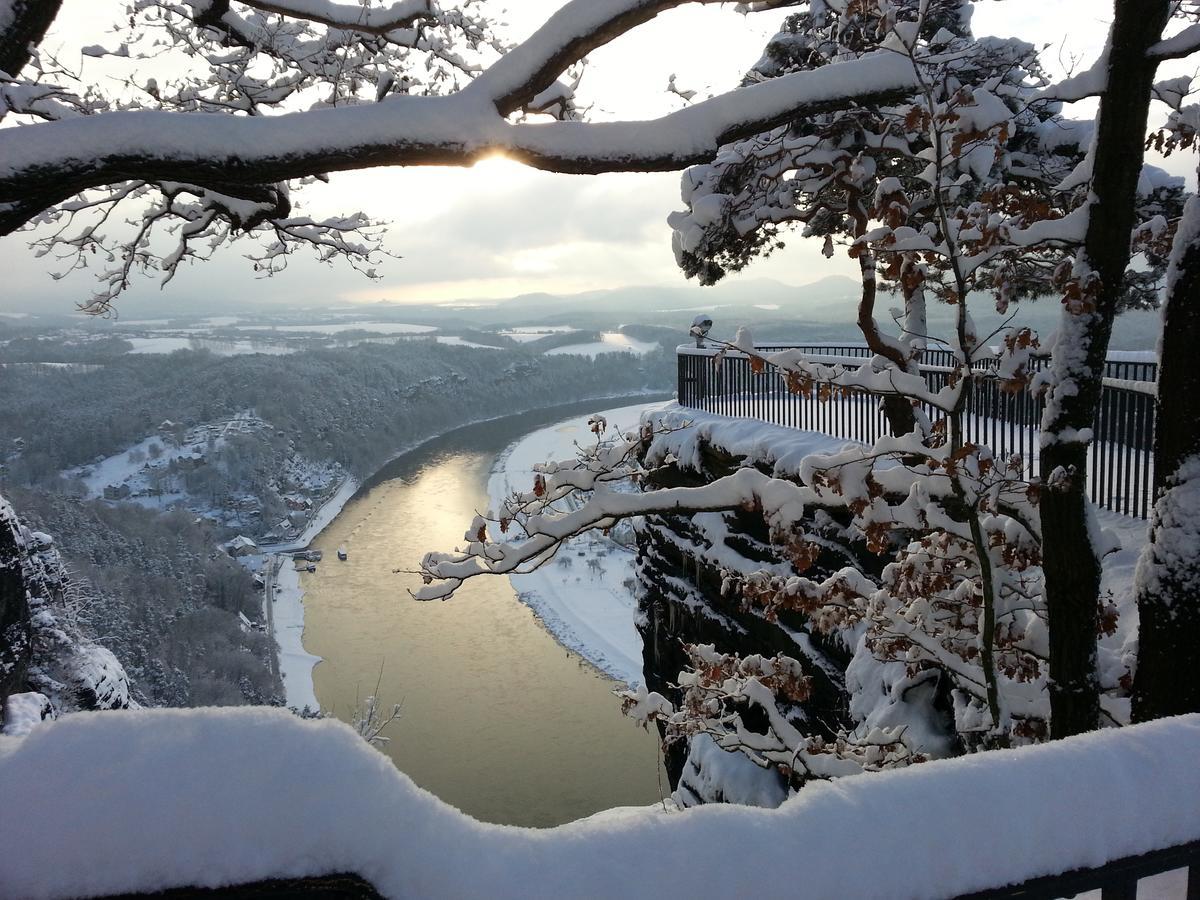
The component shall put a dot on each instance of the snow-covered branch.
(571, 33)
(1185, 43)
(43, 164)
(348, 16)
(781, 501)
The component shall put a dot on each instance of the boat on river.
(342, 553)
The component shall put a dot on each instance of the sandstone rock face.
(42, 646)
(682, 603)
(687, 565)
(16, 642)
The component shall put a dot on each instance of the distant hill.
(823, 310)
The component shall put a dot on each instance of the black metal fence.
(1116, 880)
(1120, 463)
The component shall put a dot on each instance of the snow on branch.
(1178, 46)
(45, 163)
(567, 36)
(445, 572)
(348, 16)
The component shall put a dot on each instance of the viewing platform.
(721, 380)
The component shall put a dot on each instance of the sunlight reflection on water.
(499, 719)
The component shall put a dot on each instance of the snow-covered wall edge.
(142, 800)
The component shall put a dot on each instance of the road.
(272, 563)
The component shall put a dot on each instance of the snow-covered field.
(136, 475)
(585, 594)
(216, 346)
(610, 342)
(133, 466)
(523, 335)
(337, 327)
(117, 802)
(453, 341)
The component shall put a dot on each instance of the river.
(498, 719)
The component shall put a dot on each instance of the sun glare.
(500, 167)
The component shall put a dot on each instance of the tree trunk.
(898, 410)
(1071, 565)
(1168, 575)
(28, 21)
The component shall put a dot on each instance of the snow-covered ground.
(1117, 653)
(585, 594)
(523, 335)
(117, 802)
(335, 328)
(453, 341)
(610, 342)
(135, 475)
(295, 663)
(325, 514)
(133, 466)
(214, 345)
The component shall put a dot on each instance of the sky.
(498, 229)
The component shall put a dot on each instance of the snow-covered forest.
(811, 609)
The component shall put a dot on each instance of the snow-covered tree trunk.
(1071, 563)
(23, 24)
(1168, 577)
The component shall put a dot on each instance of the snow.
(459, 342)
(24, 712)
(581, 595)
(378, 19)
(525, 333)
(121, 469)
(1176, 534)
(781, 448)
(132, 465)
(168, 798)
(220, 348)
(455, 129)
(322, 517)
(610, 342)
(295, 663)
(338, 327)
(1117, 653)
(714, 775)
(1181, 44)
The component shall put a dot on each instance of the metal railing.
(1116, 880)
(1120, 458)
